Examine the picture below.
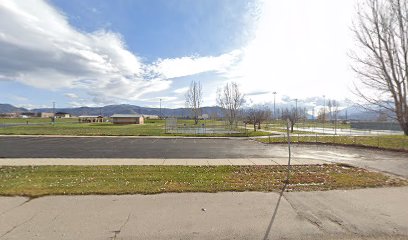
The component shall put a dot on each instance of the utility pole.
(296, 100)
(324, 111)
(53, 111)
(160, 109)
(296, 111)
(274, 110)
(313, 113)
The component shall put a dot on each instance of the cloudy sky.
(99, 52)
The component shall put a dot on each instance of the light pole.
(160, 109)
(296, 112)
(324, 111)
(53, 111)
(274, 110)
(296, 100)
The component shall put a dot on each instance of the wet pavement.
(198, 148)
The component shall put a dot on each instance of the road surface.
(197, 148)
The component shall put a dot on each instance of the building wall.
(90, 119)
(138, 120)
(62, 115)
(47, 115)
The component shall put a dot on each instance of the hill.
(8, 108)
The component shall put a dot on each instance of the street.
(65, 148)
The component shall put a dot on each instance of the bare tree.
(330, 106)
(335, 106)
(230, 99)
(194, 99)
(256, 115)
(382, 33)
(321, 116)
(292, 115)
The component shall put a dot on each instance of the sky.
(101, 52)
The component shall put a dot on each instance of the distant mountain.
(361, 114)
(129, 109)
(8, 108)
(353, 113)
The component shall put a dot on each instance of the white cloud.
(181, 90)
(39, 48)
(71, 95)
(299, 49)
(185, 66)
(32, 106)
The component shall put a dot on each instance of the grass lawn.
(394, 142)
(36, 120)
(81, 180)
(150, 128)
(308, 124)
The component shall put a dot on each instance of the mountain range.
(353, 113)
(115, 109)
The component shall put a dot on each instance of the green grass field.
(82, 180)
(150, 128)
(307, 124)
(36, 120)
(394, 142)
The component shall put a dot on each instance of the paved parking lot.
(119, 147)
(192, 149)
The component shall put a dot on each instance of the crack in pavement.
(18, 225)
(336, 220)
(21, 204)
(314, 220)
(310, 217)
(117, 232)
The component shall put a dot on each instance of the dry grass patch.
(82, 180)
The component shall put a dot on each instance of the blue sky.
(99, 52)
(167, 28)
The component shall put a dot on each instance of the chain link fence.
(203, 127)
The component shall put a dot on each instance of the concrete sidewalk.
(156, 161)
(353, 214)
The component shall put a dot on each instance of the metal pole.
(296, 103)
(296, 111)
(324, 111)
(53, 111)
(313, 113)
(160, 108)
(289, 151)
(274, 111)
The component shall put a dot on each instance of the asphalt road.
(118, 147)
(196, 148)
(354, 214)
